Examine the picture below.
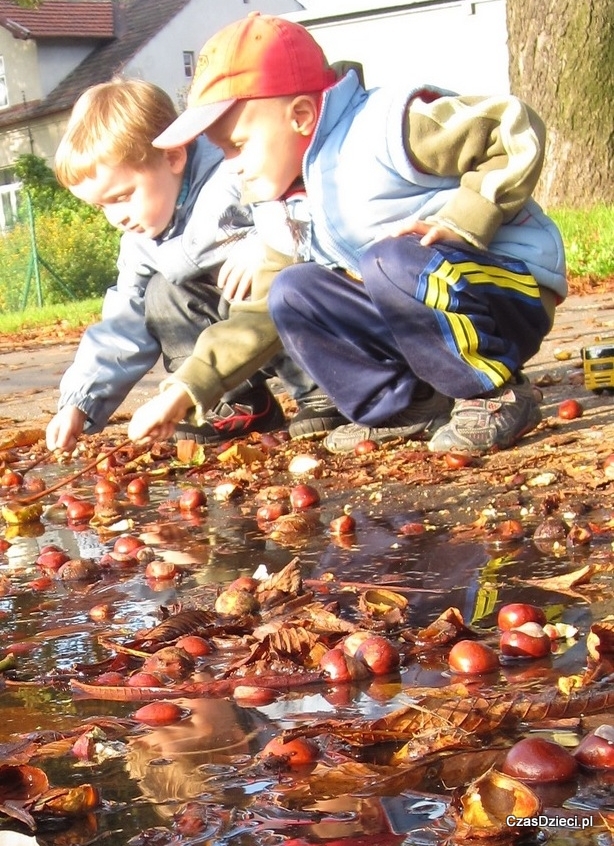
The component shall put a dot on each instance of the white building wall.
(458, 45)
(161, 61)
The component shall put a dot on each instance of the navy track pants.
(456, 318)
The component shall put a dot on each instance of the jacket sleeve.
(202, 245)
(232, 350)
(494, 144)
(113, 355)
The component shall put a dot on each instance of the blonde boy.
(180, 215)
(435, 274)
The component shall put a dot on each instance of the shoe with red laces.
(256, 411)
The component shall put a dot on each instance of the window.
(4, 94)
(188, 63)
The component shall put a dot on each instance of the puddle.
(198, 781)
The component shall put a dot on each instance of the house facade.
(456, 44)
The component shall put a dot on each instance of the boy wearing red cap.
(434, 275)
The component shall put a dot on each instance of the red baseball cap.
(258, 56)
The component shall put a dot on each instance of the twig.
(27, 500)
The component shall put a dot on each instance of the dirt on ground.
(563, 458)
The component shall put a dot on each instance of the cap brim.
(190, 124)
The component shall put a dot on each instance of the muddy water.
(198, 781)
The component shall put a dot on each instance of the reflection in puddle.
(200, 779)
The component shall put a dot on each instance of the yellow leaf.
(241, 453)
(16, 514)
(20, 438)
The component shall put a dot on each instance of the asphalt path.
(29, 377)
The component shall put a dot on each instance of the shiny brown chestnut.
(527, 641)
(473, 658)
(596, 750)
(515, 614)
(536, 759)
(380, 656)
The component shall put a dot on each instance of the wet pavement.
(29, 378)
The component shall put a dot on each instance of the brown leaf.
(382, 604)
(287, 580)
(566, 582)
(449, 626)
(70, 802)
(21, 782)
(13, 439)
(240, 453)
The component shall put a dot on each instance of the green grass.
(588, 236)
(589, 240)
(72, 315)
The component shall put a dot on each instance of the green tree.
(561, 61)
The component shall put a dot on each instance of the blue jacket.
(360, 179)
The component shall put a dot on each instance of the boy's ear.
(304, 111)
(177, 158)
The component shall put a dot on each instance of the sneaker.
(422, 418)
(257, 411)
(316, 417)
(485, 423)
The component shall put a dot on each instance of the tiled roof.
(59, 19)
(138, 21)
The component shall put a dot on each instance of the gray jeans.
(176, 314)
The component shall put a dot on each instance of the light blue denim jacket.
(359, 180)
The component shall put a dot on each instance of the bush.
(75, 246)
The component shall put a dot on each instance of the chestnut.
(80, 511)
(341, 667)
(142, 679)
(304, 496)
(596, 750)
(127, 544)
(380, 656)
(159, 713)
(296, 753)
(194, 645)
(161, 570)
(354, 640)
(516, 614)
(137, 486)
(106, 489)
(344, 525)
(570, 409)
(539, 760)
(192, 499)
(527, 641)
(473, 658)
(365, 447)
(52, 559)
(270, 511)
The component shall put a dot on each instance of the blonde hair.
(113, 123)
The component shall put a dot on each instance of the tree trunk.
(562, 63)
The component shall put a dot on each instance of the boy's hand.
(431, 232)
(235, 280)
(235, 276)
(156, 420)
(64, 429)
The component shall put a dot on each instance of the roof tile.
(138, 21)
(59, 19)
